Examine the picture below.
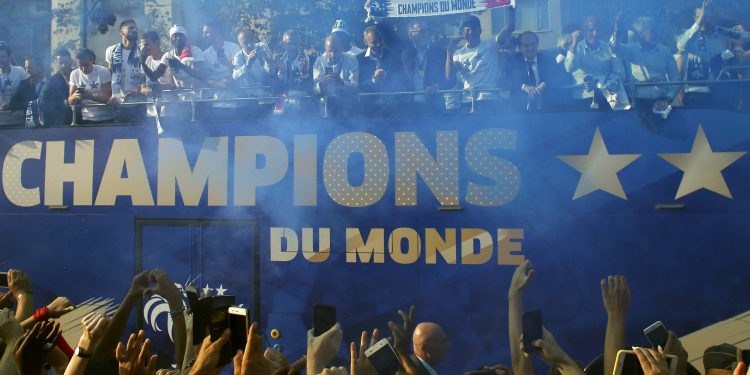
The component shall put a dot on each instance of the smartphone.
(328, 70)
(239, 323)
(324, 317)
(218, 321)
(192, 296)
(532, 330)
(383, 358)
(657, 334)
(627, 363)
(4, 279)
(746, 356)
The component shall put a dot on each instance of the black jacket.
(550, 72)
(52, 101)
(393, 80)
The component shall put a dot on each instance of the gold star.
(702, 167)
(599, 169)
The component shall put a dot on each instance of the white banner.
(422, 8)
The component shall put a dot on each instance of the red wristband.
(41, 314)
(63, 345)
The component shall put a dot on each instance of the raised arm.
(93, 326)
(111, 337)
(554, 356)
(506, 34)
(521, 277)
(616, 298)
(166, 289)
(571, 59)
(20, 285)
(10, 333)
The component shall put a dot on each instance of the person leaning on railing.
(91, 88)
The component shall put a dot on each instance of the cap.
(340, 26)
(177, 29)
(720, 357)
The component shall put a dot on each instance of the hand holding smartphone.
(383, 358)
(627, 363)
(239, 324)
(324, 317)
(532, 330)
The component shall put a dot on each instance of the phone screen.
(328, 70)
(3, 279)
(532, 330)
(657, 334)
(238, 324)
(324, 317)
(384, 360)
(746, 357)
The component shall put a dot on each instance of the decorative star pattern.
(599, 169)
(702, 167)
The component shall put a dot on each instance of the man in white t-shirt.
(185, 61)
(10, 77)
(476, 64)
(124, 62)
(91, 86)
(219, 52)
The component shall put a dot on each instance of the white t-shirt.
(129, 78)
(93, 82)
(479, 68)
(166, 78)
(9, 82)
(182, 78)
(219, 70)
(8, 85)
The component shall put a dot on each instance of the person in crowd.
(185, 61)
(294, 70)
(424, 65)
(151, 57)
(252, 68)
(11, 77)
(219, 53)
(336, 77)
(53, 98)
(704, 54)
(598, 73)
(379, 71)
(124, 62)
(535, 78)
(719, 359)
(91, 88)
(475, 66)
(341, 33)
(431, 345)
(649, 62)
(35, 84)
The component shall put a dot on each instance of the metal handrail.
(472, 91)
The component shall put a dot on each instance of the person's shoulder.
(17, 70)
(194, 49)
(102, 71)
(231, 46)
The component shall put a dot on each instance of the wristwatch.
(79, 353)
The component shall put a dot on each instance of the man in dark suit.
(379, 71)
(424, 67)
(536, 79)
(53, 99)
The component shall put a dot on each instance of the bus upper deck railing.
(206, 95)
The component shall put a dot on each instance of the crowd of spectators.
(395, 71)
(32, 342)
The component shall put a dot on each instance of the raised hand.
(160, 283)
(209, 354)
(132, 358)
(675, 348)
(251, 361)
(18, 282)
(59, 307)
(652, 362)
(402, 334)
(322, 349)
(525, 271)
(334, 371)
(10, 328)
(360, 365)
(94, 325)
(31, 351)
(139, 285)
(615, 295)
(276, 359)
